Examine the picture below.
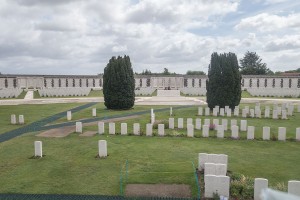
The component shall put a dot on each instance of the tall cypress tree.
(224, 81)
(118, 83)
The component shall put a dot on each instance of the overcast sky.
(80, 36)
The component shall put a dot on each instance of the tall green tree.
(118, 83)
(224, 81)
(252, 64)
(189, 72)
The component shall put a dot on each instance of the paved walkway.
(29, 95)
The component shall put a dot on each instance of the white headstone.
(102, 148)
(161, 129)
(21, 119)
(222, 186)
(216, 123)
(252, 113)
(243, 125)
(222, 112)
(258, 113)
(198, 124)
(209, 169)
(153, 118)
(180, 122)
(247, 109)
(94, 112)
(291, 110)
(244, 113)
(250, 133)
(123, 128)
(189, 121)
(78, 127)
(225, 124)
(220, 131)
(215, 111)
(38, 149)
(205, 130)
(206, 121)
(100, 127)
(13, 119)
(229, 113)
(284, 114)
(207, 111)
(227, 108)
(111, 128)
(149, 129)
(279, 110)
(266, 133)
(200, 111)
(294, 187)
(236, 111)
(233, 122)
(202, 159)
(235, 132)
(209, 181)
(171, 123)
(298, 134)
(136, 129)
(69, 115)
(281, 133)
(259, 185)
(275, 114)
(267, 112)
(171, 111)
(190, 130)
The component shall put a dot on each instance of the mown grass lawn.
(70, 166)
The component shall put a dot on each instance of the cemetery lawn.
(70, 165)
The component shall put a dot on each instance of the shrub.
(241, 187)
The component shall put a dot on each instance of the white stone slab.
(123, 128)
(244, 113)
(216, 123)
(38, 149)
(171, 111)
(229, 113)
(111, 128)
(153, 118)
(189, 121)
(221, 169)
(281, 133)
(69, 115)
(209, 181)
(206, 121)
(298, 134)
(250, 133)
(100, 128)
(207, 112)
(94, 112)
(161, 129)
(198, 124)
(209, 169)
(243, 125)
(252, 113)
(222, 159)
(279, 110)
(233, 122)
(294, 187)
(205, 131)
(78, 127)
(215, 112)
(266, 133)
(13, 119)
(21, 119)
(235, 132)
(284, 114)
(102, 148)
(213, 158)
(200, 111)
(190, 130)
(149, 128)
(222, 112)
(236, 112)
(180, 122)
(136, 129)
(259, 185)
(222, 186)
(267, 113)
(225, 124)
(258, 113)
(275, 114)
(247, 109)
(171, 123)
(202, 159)
(220, 131)
(290, 110)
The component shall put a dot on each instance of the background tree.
(251, 65)
(189, 72)
(166, 72)
(118, 84)
(224, 81)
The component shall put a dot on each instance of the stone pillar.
(207, 112)
(275, 114)
(294, 187)
(78, 127)
(171, 123)
(281, 133)
(38, 149)
(112, 128)
(200, 111)
(243, 125)
(100, 127)
(202, 159)
(136, 129)
(225, 124)
(298, 134)
(21, 119)
(235, 132)
(180, 122)
(206, 121)
(198, 124)
(123, 128)
(69, 115)
(189, 121)
(94, 112)
(161, 129)
(13, 119)
(205, 131)
(220, 131)
(102, 148)
(190, 130)
(250, 133)
(266, 133)
(259, 185)
(148, 129)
